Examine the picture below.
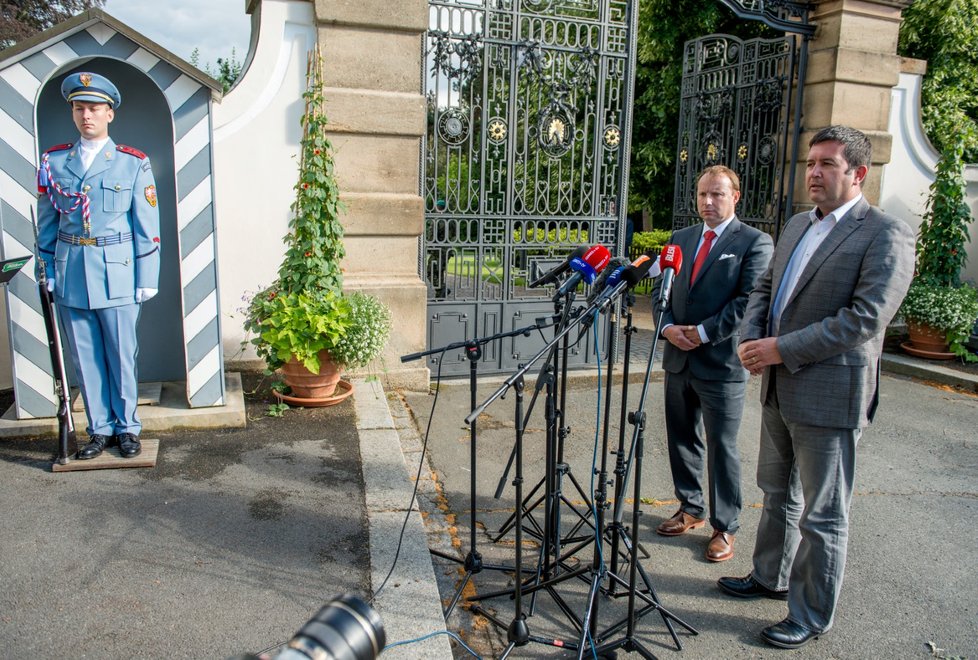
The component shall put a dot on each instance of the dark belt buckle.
(87, 241)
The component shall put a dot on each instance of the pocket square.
(726, 256)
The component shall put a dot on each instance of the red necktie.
(701, 254)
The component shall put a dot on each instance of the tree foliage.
(943, 33)
(20, 19)
(664, 27)
(227, 72)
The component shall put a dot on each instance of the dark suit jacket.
(831, 330)
(717, 300)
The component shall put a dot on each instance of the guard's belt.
(99, 241)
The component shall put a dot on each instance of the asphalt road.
(227, 546)
(911, 588)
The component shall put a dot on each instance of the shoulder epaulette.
(60, 147)
(132, 151)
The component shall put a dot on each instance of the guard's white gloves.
(51, 285)
(142, 294)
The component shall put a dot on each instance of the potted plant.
(939, 309)
(303, 325)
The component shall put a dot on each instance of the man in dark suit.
(704, 380)
(814, 327)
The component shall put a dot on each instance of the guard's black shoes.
(128, 445)
(96, 444)
(748, 587)
(788, 635)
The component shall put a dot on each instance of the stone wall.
(373, 66)
(852, 67)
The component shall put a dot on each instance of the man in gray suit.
(704, 380)
(814, 327)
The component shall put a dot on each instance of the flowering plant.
(364, 338)
(948, 309)
(305, 310)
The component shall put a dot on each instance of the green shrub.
(649, 241)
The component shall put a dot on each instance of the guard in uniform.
(98, 234)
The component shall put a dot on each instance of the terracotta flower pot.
(926, 339)
(307, 385)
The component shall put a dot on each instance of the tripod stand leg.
(458, 594)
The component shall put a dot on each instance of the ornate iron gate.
(736, 111)
(524, 159)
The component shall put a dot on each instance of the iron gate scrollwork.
(737, 109)
(524, 159)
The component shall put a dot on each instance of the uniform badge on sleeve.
(150, 193)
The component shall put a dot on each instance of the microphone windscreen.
(671, 257)
(577, 253)
(606, 274)
(638, 271)
(597, 257)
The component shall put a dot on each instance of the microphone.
(626, 278)
(554, 274)
(670, 261)
(609, 277)
(585, 268)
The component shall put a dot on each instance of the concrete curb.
(409, 605)
(904, 365)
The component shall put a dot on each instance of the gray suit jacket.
(716, 300)
(831, 330)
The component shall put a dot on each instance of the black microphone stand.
(535, 584)
(598, 567)
(473, 351)
(555, 467)
(629, 641)
(615, 529)
(518, 631)
(599, 570)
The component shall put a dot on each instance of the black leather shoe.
(788, 635)
(748, 587)
(128, 445)
(96, 444)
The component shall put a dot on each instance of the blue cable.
(430, 635)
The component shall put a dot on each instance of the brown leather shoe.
(720, 547)
(680, 523)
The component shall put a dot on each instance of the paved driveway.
(912, 578)
(229, 545)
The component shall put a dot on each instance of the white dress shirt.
(813, 238)
(718, 230)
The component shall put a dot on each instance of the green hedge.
(649, 241)
(539, 235)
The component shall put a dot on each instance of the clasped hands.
(683, 337)
(757, 354)
(142, 293)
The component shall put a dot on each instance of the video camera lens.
(346, 628)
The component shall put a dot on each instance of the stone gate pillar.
(372, 54)
(853, 65)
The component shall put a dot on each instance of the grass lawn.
(491, 271)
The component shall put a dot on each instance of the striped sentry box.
(22, 76)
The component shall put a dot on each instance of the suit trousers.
(703, 419)
(806, 473)
(104, 350)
